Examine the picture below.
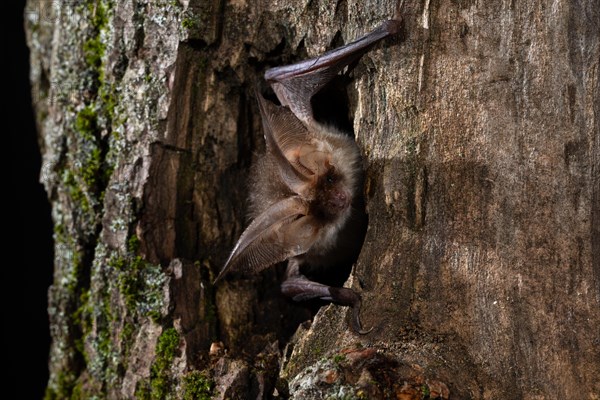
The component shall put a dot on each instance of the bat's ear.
(285, 134)
(281, 127)
(280, 232)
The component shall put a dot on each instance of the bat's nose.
(339, 200)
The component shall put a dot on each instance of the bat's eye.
(330, 178)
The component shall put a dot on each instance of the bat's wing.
(280, 232)
(295, 84)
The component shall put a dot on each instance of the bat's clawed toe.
(349, 297)
(300, 288)
(356, 325)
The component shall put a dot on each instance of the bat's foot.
(300, 288)
(349, 297)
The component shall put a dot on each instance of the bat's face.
(333, 197)
(334, 186)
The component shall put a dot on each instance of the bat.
(305, 199)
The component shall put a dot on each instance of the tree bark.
(479, 129)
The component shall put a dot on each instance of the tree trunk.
(479, 129)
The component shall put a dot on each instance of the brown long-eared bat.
(305, 188)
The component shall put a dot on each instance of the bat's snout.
(339, 200)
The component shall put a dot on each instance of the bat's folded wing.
(280, 232)
(295, 84)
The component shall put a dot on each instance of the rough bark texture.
(479, 127)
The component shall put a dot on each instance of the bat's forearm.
(336, 58)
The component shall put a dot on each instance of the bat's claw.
(356, 324)
(393, 26)
(349, 297)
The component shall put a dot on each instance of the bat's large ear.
(285, 134)
(295, 84)
(280, 232)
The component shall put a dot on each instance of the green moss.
(99, 11)
(188, 22)
(105, 360)
(82, 317)
(108, 96)
(129, 287)
(425, 390)
(65, 385)
(128, 279)
(70, 257)
(95, 170)
(127, 332)
(133, 244)
(129, 282)
(140, 284)
(160, 379)
(126, 339)
(93, 50)
(92, 171)
(338, 359)
(142, 391)
(75, 191)
(34, 27)
(76, 315)
(166, 348)
(197, 386)
(107, 311)
(118, 263)
(59, 232)
(86, 122)
(78, 392)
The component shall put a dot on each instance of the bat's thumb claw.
(398, 14)
(394, 25)
(356, 325)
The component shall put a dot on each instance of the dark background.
(29, 244)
